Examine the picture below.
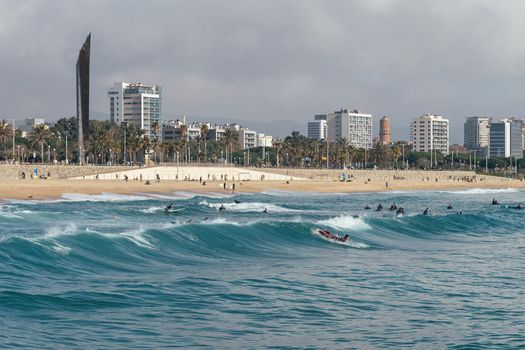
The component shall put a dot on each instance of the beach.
(293, 180)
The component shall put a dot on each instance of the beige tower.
(384, 130)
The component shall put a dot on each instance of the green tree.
(40, 135)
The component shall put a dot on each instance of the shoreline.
(57, 188)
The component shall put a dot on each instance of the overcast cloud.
(271, 60)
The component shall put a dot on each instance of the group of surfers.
(401, 211)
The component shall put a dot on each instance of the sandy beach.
(54, 188)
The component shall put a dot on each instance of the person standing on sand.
(233, 187)
(140, 177)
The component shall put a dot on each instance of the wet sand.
(54, 188)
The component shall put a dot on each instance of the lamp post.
(18, 153)
(54, 155)
(403, 147)
(177, 165)
(48, 154)
(67, 162)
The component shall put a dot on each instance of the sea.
(115, 271)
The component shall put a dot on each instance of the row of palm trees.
(298, 151)
(110, 143)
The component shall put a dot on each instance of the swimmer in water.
(426, 212)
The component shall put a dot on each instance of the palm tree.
(204, 134)
(342, 151)
(39, 136)
(380, 153)
(6, 133)
(230, 138)
(133, 142)
(396, 152)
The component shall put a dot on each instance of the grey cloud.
(270, 60)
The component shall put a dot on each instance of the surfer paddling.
(329, 235)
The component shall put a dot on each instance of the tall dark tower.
(83, 97)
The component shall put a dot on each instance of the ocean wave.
(346, 223)
(483, 191)
(103, 197)
(249, 207)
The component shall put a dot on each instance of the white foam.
(483, 191)
(345, 223)
(58, 231)
(151, 210)
(62, 249)
(103, 197)
(249, 207)
(9, 211)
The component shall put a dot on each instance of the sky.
(271, 60)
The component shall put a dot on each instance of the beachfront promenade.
(192, 173)
(8, 171)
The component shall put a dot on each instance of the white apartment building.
(317, 129)
(247, 138)
(430, 132)
(264, 140)
(173, 130)
(354, 126)
(135, 104)
(476, 132)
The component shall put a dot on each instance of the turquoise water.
(113, 271)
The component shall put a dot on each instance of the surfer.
(392, 207)
(518, 206)
(367, 207)
(494, 201)
(329, 235)
(189, 221)
(237, 201)
(222, 208)
(355, 216)
(449, 206)
(168, 208)
(400, 211)
(265, 210)
(205, 218)
(426, 212)
(379, 207)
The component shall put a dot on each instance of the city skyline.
(266, 60)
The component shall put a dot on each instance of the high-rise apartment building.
(384, 130)
(505, 138)
(317, 129)
(476, 133)
(430, 132)
(136, 104)
(354, 126)
(82, 74)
